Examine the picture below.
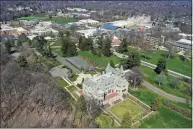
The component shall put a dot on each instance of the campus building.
(183, 44)
(108, 87)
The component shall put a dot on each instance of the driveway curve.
(164, 94)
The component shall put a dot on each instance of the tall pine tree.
(123, 47)
(132, 60)
(107, 47)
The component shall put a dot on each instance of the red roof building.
(116, 42)
(111, 95)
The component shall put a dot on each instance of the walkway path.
(150, 65)
(164, 94)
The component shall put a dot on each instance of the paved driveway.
(164, 94)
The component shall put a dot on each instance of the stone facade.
(107, 87)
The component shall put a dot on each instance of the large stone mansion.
(108, 87)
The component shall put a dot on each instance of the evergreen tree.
(100, 42)
(60, 34)
(22, 37)
(94, 52)
(161, 66)
(123, 47)
(67, 33)
(22, 61)
(112, 64)
(81, 43)
(19, 44)
(8, 45)
(106, 48)
(71, 49)
(64, 48)
(132, 60)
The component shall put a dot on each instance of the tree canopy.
(132, 60)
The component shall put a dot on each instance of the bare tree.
(92, 105)
(135, 77)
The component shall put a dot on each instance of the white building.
(90, 32)
(89, 21)
(183, 44)
(108, 87)
(43, 28)
(186, 36)
(123, 23)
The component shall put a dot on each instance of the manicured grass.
(61, 82)
(57, 50)
(61, 20)
(99, 61)
(150, 76)
(57, 43)
(37, 16)
(174, 63)
(127, 105)
(71, 88)
(147, 96)
(144, 94)
(166, 118)
(46, 18)
(104, 121)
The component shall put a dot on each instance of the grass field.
(57, 50)
(99, 61)
(127, 105)
(166, 118)
(144, 94)
(72, 89)
(147, 96)
(61, 82)
(46, 18)
(174, 63)
(150, 76)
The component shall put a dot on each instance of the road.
(164, 94)
(150, 65)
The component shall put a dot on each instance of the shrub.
(79, 85)
(156, 104)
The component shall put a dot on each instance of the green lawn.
(127, 105)
(144, 94)
(57, 50)
(150, 76)
(46, 18)
(61, 82)
(99, 61)
(72, 89)
(166, 118)
(174, 63)
(104, 121)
